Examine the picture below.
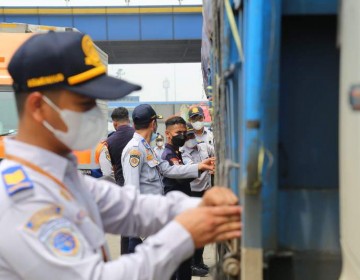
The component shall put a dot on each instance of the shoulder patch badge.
(61, 239)
(64, 243)
(149, 155)
(134, 157)
(16, 180)
(107, 154)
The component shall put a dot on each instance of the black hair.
(174, 120)
(120, 114)
(142, 125)
(20, 98)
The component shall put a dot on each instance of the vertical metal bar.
(269, 120)
(349, 139)
(252, 253)
(261, 74)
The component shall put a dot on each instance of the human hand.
(207, 164)
(211, 224)
(217, 196)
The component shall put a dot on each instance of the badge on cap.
(16, 180)
(195, 110)
(92, 57)
(134, 158)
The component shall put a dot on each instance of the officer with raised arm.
(141, 167)
(52, 218)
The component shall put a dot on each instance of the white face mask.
(191, 143)
(84, 129)
(198, 125)
(160, 143)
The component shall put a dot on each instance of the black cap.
(159, 137)
(66, 60)
(144, 113)
(196, 111)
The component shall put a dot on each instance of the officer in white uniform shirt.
(52, 218)
(194, 152)
(160, 145)
(141, 167)
(202, 133)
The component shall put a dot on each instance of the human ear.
(34, 106)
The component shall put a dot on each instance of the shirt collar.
(48, 161)
(190, 150)
(204, 131)
(138, 136)
(123, 126)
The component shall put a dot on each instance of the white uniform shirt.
(142, 168)
(206, 137)
(200, 152)
(158, 151)
(45, 234)
(105, 162)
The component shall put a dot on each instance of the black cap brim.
(104, 87)
(196, 114)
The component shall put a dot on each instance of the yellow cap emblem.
(91, 55)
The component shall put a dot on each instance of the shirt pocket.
(153, 174)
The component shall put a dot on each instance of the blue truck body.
(280, 101)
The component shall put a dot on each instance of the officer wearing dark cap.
(193, 152)
(202, 133)
(142, 168)
(55, 216)
(159, 145)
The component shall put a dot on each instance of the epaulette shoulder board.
(17, 183)
(146, 145)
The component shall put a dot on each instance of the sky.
(163, 82)
(7, 3)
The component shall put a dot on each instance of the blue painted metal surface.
(253, 94)
(308, 136)
(112, 23)
(309, 220)
(188, 27)
(298, 207)
(253, 74)
(307, 7)
(52, 20)
(269, 120)
(233, 68)
(94, 25)
(125, 27)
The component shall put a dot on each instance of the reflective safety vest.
(98, 150)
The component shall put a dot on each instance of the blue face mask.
(153, 136)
